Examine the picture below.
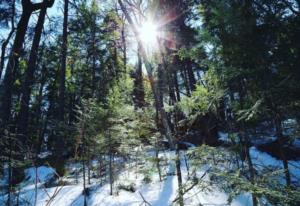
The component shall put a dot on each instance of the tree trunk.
(83, 156)
(250, 165)
(5, 43)
(124, 46)
(245, 142)
(89, 169)
(190, 74)
(60, 138)
(177, 90)
(13, 60)
(158, 160)
(93, 56)
(84, 183)
(110, 173)
(35, 185)
(29, 76)
(179, 177)
(61, 98)
(138, 92)
(282, 154)
(110, 164)
(185, 81)
(9, 176)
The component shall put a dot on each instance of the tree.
(61, 111)
(12, 64)
(7, 14)
(29, 76)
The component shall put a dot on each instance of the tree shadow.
(167, 190)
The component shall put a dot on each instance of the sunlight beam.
(148, 33)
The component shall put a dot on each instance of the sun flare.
(149, 33)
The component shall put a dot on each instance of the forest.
(150, 102)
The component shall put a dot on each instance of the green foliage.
(205, 98)
(224, 173)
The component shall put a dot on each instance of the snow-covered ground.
(156, 193)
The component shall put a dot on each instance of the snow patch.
(44, 173)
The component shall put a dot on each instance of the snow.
(156, 193)
(4, 179)
(43, 173)
(187, 144)
(44, 155)
(263, 140)
(262, 159)
(296, 143)
(223, 136)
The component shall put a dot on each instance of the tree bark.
(179, 177)
(13, 61)
(176, 86)
(29, 75)
(191, 76)
(93, 55)
(5, 43)
(61, 98)
(84, 183)
(186, 82)
(282, 154)
(110, 166)
(124, 46)
(138, 92)
(250, 164)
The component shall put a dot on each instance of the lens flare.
(149, 33)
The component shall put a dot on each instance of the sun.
(149, 34)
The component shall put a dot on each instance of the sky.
(56, 11)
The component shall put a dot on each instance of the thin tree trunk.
(60, 139)
(9, 176)
(158, 161)
(187, 165)
(179, 177)
(35, 185)
(82, 133)
(282, 154)
(94, 56)
(177, 90)
(5, 43)
(124, 46)
(186, 83)
(111, 179)
(158, 165)
(110, 174)
(62, 80)
(191, 76)
(139, 93)
(245, 142)
(250, 165)
(84, 183)
(38, 113)
(89, 170)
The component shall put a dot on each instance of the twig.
(144, 200)
(193, 185)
